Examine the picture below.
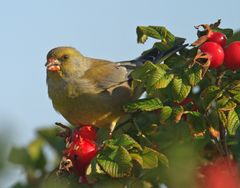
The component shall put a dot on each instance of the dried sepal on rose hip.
(215, 52)
(210, 35)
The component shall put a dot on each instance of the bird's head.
(64, 60)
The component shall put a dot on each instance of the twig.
(223, 141)
(220, 75)
(216, 141)
(140, 132)
(120, 125)
(67, 131)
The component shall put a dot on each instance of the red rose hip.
(88, 132)
(216, 53)
(217, 37)
(232, 56)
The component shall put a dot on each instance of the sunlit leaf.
(137, 157)
(233, 122)
(222, 117)
(150, 158)
(194, 75)
(148, 104)
(237, 98)
(230, 105)
(126, 141)
(165, 114)
(116, 163)
(180, 89)
(156, 32)
(210, 94)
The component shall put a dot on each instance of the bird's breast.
(81, 104)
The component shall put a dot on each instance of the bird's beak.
(53, 65)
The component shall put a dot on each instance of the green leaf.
(180, 90)
(142, 72)
(31, 156)
(194, 75)
(176, 62)
(153, 76)
(115, 162)
(136, 157)
(35, 151)
(163, 82)
(210, 94)
(152, 158)
(230, 105)
(19, 156)
(222, 102)
(162, 46)
(177, 113)
(164, 34)
(126, 141)
(148, 104)
(156, 32)
(234, 37)
(162, 159)
(228, 32)
(234, 88)
(189, 53)
(196, 120)
(237, 98)
(49, 135)
(165, 114)
(156, 77)
(223, 118)
(233, 122)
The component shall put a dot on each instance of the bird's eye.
(65, 57)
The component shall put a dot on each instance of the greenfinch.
(93, 91)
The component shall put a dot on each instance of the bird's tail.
(154, 55)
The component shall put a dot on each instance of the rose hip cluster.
(79, 152)
(219, 53)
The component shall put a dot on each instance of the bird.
(89, 91)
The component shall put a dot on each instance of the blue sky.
(102, 29)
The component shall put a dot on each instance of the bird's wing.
(154, 55)
(106, 75)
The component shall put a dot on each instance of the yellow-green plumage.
(86, 90)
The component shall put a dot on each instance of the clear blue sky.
(102, 29)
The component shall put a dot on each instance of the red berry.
(216, 53)
(81, 152)
(88, 132)
(222, 173)
(217, 37)
(232, 56)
